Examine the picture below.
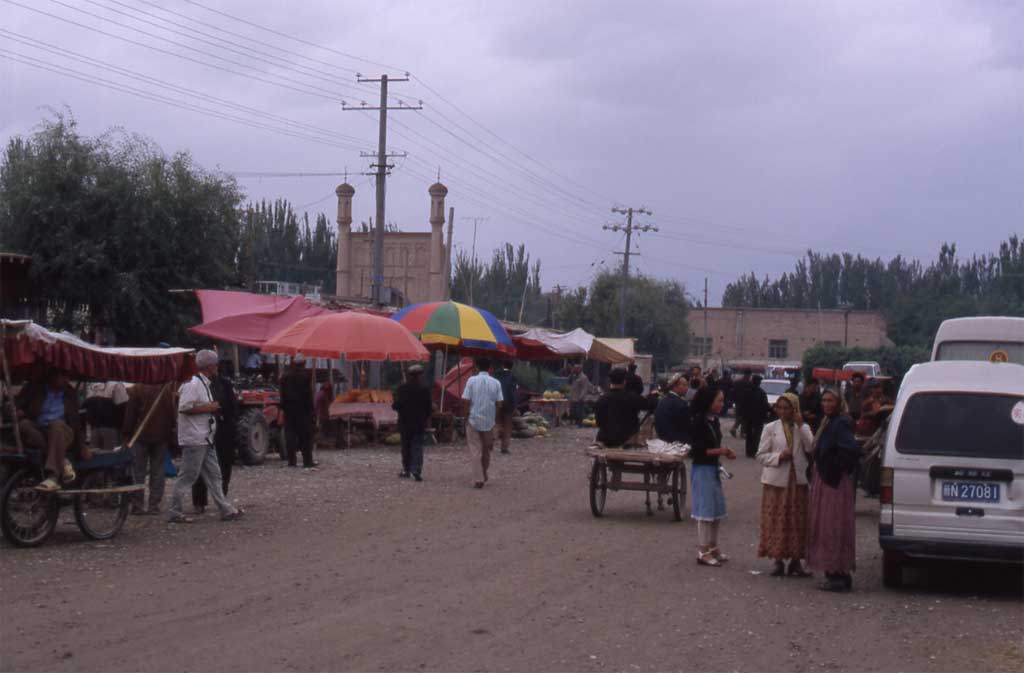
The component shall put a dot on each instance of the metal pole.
(707, 346)
(625, 273)
(382, 161)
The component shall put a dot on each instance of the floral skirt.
(784, 521)
(832, 536)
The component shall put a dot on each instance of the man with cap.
(618, 411)
(297, 403)
(414, 407)
(197, 427)
(672, 417)
(634, 383)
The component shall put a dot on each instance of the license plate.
(970, 491)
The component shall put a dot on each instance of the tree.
(505, 286)
(112, 224)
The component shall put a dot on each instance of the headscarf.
(836, 449)
(787, 426)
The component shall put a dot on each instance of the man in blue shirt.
(48, 420)
(483, 393)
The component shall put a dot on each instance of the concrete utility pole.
(476, 221)
(381, 173)
(629, 229)
(707, 346)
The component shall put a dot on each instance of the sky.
(752, 131)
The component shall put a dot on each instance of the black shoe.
(403, 475)
(848, 581)
(834, 583)
(310, 466)
(417, 477)
(796, 569)
(779, 570)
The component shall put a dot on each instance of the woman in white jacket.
(784, 454)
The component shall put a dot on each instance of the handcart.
(663, 474)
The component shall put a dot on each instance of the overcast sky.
(752, 130)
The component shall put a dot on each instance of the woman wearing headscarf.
(705, 481)
(783, 454)
(832, 533)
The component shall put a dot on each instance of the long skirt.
(784, 520)
(708, 502)
(832, 537)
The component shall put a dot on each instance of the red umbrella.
(352, 335)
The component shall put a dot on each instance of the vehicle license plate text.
(970, 491)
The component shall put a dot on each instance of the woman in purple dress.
(832, 532)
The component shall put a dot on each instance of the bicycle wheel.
(100, 516)
(27, 516)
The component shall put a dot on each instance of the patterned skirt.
(784, 521)
(832, 536)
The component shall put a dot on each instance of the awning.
(31, 350)
(612, 351)
(543, 344)
(249, 319)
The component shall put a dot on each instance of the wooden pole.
(443, 366)
(235, 358)
(7, 381)
(149, 414)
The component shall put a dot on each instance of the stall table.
(376, 414)
(551, 410)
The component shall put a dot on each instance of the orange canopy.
(352, 335)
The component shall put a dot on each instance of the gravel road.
(348, 567)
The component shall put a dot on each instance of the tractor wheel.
(252, 437)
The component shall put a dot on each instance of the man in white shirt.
(196, 428)
(483, 392)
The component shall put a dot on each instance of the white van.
(991, 338)
(953, 470)
(868, 369)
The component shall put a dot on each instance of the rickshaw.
(103, 488)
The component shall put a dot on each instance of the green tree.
(112, 224)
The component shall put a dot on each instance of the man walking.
(755, 412)
(414, 407)
(223, 440)
(483, 392)
(151, 446)
(509, 390)
(196, 429)
(297, 403)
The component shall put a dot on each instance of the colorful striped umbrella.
(455, 325)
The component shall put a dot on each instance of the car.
(992, 338)
(774, 389)
(868, 369)
(952, 477)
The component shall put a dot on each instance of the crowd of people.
(805, 444)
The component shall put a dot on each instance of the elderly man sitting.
(48, 420)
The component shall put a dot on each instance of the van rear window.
(961, 424)
(980, 350)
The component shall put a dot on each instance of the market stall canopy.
(612, 351)
(250, 319)
(543, 344)
(351, 335)
(454, 381)
(461, 327)
(30, 350)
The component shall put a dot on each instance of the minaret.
(343, 275)
(437, 193)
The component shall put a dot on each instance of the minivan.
(952, 478)
(991, 338)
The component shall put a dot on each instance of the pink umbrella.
(352, 335)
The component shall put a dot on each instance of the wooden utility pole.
(382, 167)
(707, 346)
(629, 229)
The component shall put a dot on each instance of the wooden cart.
(663, 474)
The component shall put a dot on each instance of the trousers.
(55, 439)
(149, 460)
(299, 438)
(753, 438)
(198, 462)
(412, 451)
(504, 427)
(480, 444)
(225, 450)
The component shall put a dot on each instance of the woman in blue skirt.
(705, 483)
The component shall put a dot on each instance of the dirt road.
(348, 567)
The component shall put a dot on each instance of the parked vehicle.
(774, 389)
(260, 427)
(952, 478)
(991, 338)
(868, 369)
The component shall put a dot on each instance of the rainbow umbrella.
(462, 327)
(450, 324)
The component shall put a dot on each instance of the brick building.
(779, 335)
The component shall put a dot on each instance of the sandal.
(708, 559)
(233, 516)
(181, 518)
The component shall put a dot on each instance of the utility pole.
(476, 221)
(381, 173)
(707, 346)
(629, 229)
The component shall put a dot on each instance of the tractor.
(260, 422)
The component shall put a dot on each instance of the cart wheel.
(27, 516)
(678, 491)
(598, 487)
(101, 515)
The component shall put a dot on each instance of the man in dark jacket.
(414, 407)
(509, 391)
(618, 411)
(810, 404)
(155, 436)
(297, 403)
(740, 391)
(755, 412)
(48, 420)
(634, 383)
(672, 417)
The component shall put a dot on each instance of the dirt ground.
(348, 567)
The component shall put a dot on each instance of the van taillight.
(885, 496)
